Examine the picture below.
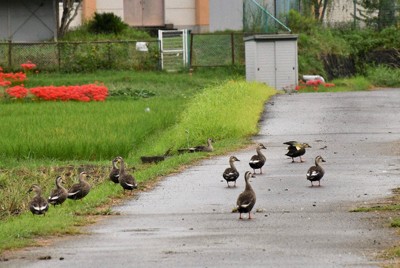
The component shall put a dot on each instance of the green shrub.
(106, 23)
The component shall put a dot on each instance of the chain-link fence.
(213, 50)
(81, 56)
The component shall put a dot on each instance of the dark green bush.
(106, 23)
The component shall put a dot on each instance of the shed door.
(144, 13)
(265, 63)
(286, 64)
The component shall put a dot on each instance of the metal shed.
(272, 59)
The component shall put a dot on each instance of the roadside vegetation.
(145, 114)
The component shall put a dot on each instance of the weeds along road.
(186, 221)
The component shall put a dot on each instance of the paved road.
(186, 221)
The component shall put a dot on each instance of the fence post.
(9, 54)
(58, 55)
(233, 49)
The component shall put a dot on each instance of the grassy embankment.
(41, 140)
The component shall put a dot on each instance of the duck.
(114, 173)
(81, 189)
(257, 161)
(127, 181)
(315, 173)
(38, 205)
(59, 194)
(296, 149)
(247, 199)
(231, 173)
(199, 148)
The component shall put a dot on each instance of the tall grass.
(227, 111)
(383, 76)
(72, 130)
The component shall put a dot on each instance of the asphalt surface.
(186, 221)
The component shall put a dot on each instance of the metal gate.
(174, 49)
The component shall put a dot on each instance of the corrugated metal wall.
(28, 20)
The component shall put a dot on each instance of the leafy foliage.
(106, 23)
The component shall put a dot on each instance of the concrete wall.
(226, 15)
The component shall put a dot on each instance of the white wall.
(108, 6)
(77, 20)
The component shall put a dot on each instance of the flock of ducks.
(40, 205)
(244, 203)
(247, 199)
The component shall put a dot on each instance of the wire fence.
(213, 50)
(81, 56)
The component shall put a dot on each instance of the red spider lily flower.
(1, 69)
(329, 85)
(5, 83)
(18, 92)
(28, 66)
(83, 93)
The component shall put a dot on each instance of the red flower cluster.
(6, 79)
(18, 92)
(313, 83)
(83, 93)
(28, 66)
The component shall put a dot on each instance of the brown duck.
(296, 149)
(315, 173)
(81, 189)
(247, 199)
(59, 194)
(114, 173)
(257, 161)
(127, 181)
(231, 173)
(38, 205)
(199, 148)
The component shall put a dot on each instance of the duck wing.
(230, 174)
(314, 173)
(114, 175)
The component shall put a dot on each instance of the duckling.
(247, 199)
(81, 189)
(257, 161)
(59, 194)
(127, 181)
(315, 173)
(199, 148)
(231, 173)
(296, 149)
(38, 205)
(114, 173)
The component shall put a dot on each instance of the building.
(28, 21)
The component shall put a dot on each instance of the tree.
(378, 13)
(70, 10)
(319, 8)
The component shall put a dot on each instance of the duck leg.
(292, 159)
(250, 216)
(240, 216)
